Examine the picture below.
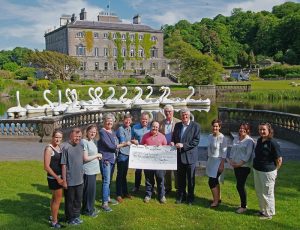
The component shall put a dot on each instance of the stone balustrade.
(42, 128)
(286, 126)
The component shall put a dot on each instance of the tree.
(243, 59)
(55, 65)
(251, 59)
(290, 57)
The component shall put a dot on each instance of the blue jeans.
(107, 171)
(121, 181)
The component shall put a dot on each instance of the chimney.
(137, 19)
(73, 18)
(82, 15)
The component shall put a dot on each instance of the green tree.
(11, 66)
(55, 65)
(251, 59)
(243, 59)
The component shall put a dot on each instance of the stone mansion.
(108, 47)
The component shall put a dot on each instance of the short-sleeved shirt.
(266, 154)
(90, 167)
(124, 135)
(72, 157)
(138, 131)
(156, 140)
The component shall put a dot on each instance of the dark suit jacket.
(188, 154)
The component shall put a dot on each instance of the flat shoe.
(241, 210)
(214, 205)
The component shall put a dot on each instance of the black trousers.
(138, 178)
(73, 198)
(186, 173)
(89, 194)
(241, 175)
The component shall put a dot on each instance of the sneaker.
(73, 222)
(260, 213)
(163, 200)
(78, 220)
(135, 189)
(128, 196)
(241, 210)
(55, 225)
(113, 202)
(106, 208)
(119, 199)
(97, 211)
(147, 199)
(264, 217)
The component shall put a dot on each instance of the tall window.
(96, 65)
(141, 37)
(124, 65)
(131, 37)
(141, 66)
(82, 66)
(105, 52)
(154, 52)
(141, 53)
(96, 35)
(123, 52)
(123, 37)
(80, 50)
(114, 36)
(153, 38)
(105, 35)
(115, 51)
(131, 52)
(115, 66)
(105, 65)
(96, 51)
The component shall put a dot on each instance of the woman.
(91, 169)
(217, 150)
(108, 145)
(154, 137)
(124, 136)
(266, 163)
(52, 156)
(240, 159)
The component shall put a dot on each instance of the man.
(186, 137)
(72, 173)
(138, 131)
(167, 127)
(154, 138)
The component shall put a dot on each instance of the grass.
(24, 204)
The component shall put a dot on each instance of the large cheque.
(153, 157)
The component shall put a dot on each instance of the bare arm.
(64, 176)
(48, 169)
(87, 158)
(278, 162)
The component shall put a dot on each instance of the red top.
(149, 139)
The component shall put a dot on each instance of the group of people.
(72, 166)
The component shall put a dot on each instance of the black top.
(55, 161)
(266, 154)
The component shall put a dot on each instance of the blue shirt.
(124, 135)
(107, 145)
(138, 131)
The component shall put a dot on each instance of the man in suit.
(186, 137)
(167, 127)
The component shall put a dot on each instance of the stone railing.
(285, 125)
(221, 89)
(42, 128)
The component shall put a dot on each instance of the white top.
(217, 150)
(242, 150)
(90, 167)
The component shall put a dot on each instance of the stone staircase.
(158, 80)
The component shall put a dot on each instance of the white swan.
(74, 107)
(61, 107)
(151, 102)
(172, 101)
(137, 101)
(41, 108)
(193, 102)
(113, 102)
(98, 93)
(17, 111)
(94, 104)
(125, 100)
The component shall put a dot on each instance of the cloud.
(31, 21)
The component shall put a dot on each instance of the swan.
(193, 102)
(125, 100)
(151, 102)
(61, 107)
(172, 101)
(113, 102)
(137, 101)
(43, 108)
(96, 103)
(17, 111)
(74, 107)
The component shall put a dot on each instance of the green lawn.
(24, 204)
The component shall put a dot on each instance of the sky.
(23, 23)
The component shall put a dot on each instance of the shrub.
(30, 81)
(60, 84)
(11, 66)
(284, 71)
(42, 84)
(25, 72)
(75, 77)
(6, 74)
(87, 82)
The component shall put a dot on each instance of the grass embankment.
(25, 199)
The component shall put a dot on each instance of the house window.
(80, 50)
(154, 65)
(132, 53)
(123, 52)
(124, 65)
(132, 65)
(115, 51)
(141, 66)
(105, 35)
(153, 38)
(115, 66)
(96, 51)
(131, 37)
(141, 53)
(114, 36)
(80, 35)
(96, 35)
(154, 52)
(105, 52)
(96, 65)
(123, 37)
(82, 66)
(105, 65)
(141, 37)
